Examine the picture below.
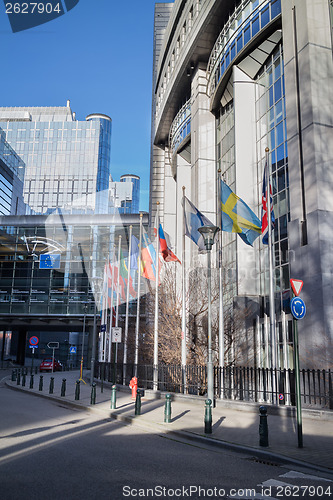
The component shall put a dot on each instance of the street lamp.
(97, 288)
(208, 233)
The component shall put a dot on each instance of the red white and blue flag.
(167, 254)
(264, 218)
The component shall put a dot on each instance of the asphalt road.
(48, 451)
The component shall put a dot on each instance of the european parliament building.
(232, 78)
(52, 262)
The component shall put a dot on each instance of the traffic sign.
(72, 350)
(298, 308)
(296, 285)
(116, 334)
(33, 341)
(53, 345)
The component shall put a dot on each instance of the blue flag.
(237, 217)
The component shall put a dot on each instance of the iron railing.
(231, 383)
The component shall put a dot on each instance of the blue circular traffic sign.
(298, 308)
(33, 340)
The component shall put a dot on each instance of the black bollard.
(208, 416)
(63, 388)
(23, 379)
(113, 397)
(18, 377)
(263, 426)
(77, 390)
(40, 382)
(31, 381)
(138, 402)
(93, 394)
(167, 409)
(51, 385)
(14, 374)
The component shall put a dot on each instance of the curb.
(267, 455)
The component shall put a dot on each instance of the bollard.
(93, 394)
(40, 382)
(14, 374)
(23, 379)
(263, 426)
(63, 388)
(113, 397)
(51, 385)
(102, 377)
(31, 381)
(167, 409)
(208, 416)
(138, 403)
(77, 390)
(18, 378)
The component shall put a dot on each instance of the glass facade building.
(256, 77)
(67, 160)
(12, 170)
(125, 195)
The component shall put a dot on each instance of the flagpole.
(221, 307)
(111, 305)
(117, 305)
(183, 303)
(137, 324)
(271, 281)
(127, 303)
(155, 375)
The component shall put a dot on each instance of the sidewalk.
(236, 428)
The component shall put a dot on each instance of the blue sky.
(99, 55)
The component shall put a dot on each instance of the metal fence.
(232, 382)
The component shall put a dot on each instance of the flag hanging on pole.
(264, 221)
(237, 217)
(167, 254)
(148, 258)
(193, 219)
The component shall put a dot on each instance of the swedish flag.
(237, 217)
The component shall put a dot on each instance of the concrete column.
(309, 106)
(246, 175)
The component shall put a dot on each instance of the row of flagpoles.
(234, 216)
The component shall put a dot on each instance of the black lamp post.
(208, 233)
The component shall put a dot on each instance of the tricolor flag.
(167, 254)
(264, 222)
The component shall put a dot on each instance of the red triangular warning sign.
(296, 285)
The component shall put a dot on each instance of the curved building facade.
(231, 79)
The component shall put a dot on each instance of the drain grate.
(264, 461)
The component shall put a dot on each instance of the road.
(50, 451)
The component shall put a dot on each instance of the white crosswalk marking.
(274, 482)
(292, 474)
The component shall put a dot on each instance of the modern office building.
(67, 160)
(52, 273)
(124, 196)
(12, 170)
(230, 79)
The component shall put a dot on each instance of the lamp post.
(208, 233)
(96, 285)
(83, 335)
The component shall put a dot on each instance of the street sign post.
(116, 334)
(33, 344)
(53, 346)
(298, 311)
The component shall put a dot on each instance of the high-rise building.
(131, 205)
(12, 169)
(231, 79)
(67, 160)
